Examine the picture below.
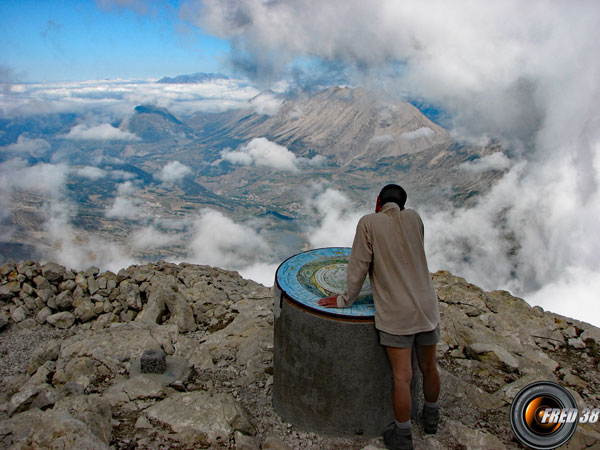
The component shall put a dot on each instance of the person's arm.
(358, 267)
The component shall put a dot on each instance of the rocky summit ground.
(70, 344)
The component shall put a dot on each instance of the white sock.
(432, 404)
(404, 425)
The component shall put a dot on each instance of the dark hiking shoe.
(397, 439)
(431, 418)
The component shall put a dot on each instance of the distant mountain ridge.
(193, 78)
(344, 124)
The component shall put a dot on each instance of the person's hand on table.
(328, 302)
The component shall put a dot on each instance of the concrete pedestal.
(330, 374)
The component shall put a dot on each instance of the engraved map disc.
(307, 277)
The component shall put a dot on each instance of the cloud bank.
(261, 152)
(103, 132)
(173, 172)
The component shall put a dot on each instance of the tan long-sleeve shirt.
(388, 245)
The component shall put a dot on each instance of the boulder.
(64, 301)
(164, 295)
(492, 353)
(53, 272)
(211, 418)
(3, 321)
(43, 315)
(9, 290)
(61, 320)
(19, 314)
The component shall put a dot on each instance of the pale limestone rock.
(194, 353)
(243, 442)
(493, 353)
(61, 320)
(474, 439)
(51, 429)
(84, 309)
(273, 443)
(164, 295)
(199, 413)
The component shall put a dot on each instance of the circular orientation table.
(330, 374)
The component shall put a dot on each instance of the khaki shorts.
(406, 341)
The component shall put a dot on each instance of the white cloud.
(495, 161)
(80, 250)
(125, 206)
(25, 145)
(41, 177)
(114, 99)
(103, 132)
(150, 238)
(261, 152)
(219, 241)
(336, 216)
(91, 173)
(416, 134)
(173, 172)
(266, 103)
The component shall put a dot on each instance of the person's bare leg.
(426, 356)
(402, 371)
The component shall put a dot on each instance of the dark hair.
(393, 193)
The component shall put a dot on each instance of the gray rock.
(92, 285)
(61, 320)
(45, 294)
(64, 301)
(7, 268)
(130, 292)
(53, 272)
(243, 442)
(52, 429)
(164, 295)
(67, 285)
(214, 417)
(576, 343)
(273, 443)
(29, 397)
(71, 388)
(41, 282)
(9, 290)
(19, 314)
(27, 289)
(3, 321)
(84, 309)
(69, 275)
(81, 281)
(91, 271)
(43, 315)
(47, 351)
(492, 353)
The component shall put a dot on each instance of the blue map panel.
(307, 277)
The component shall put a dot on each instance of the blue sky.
(78, 40)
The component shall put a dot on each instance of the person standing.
(389, 247)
